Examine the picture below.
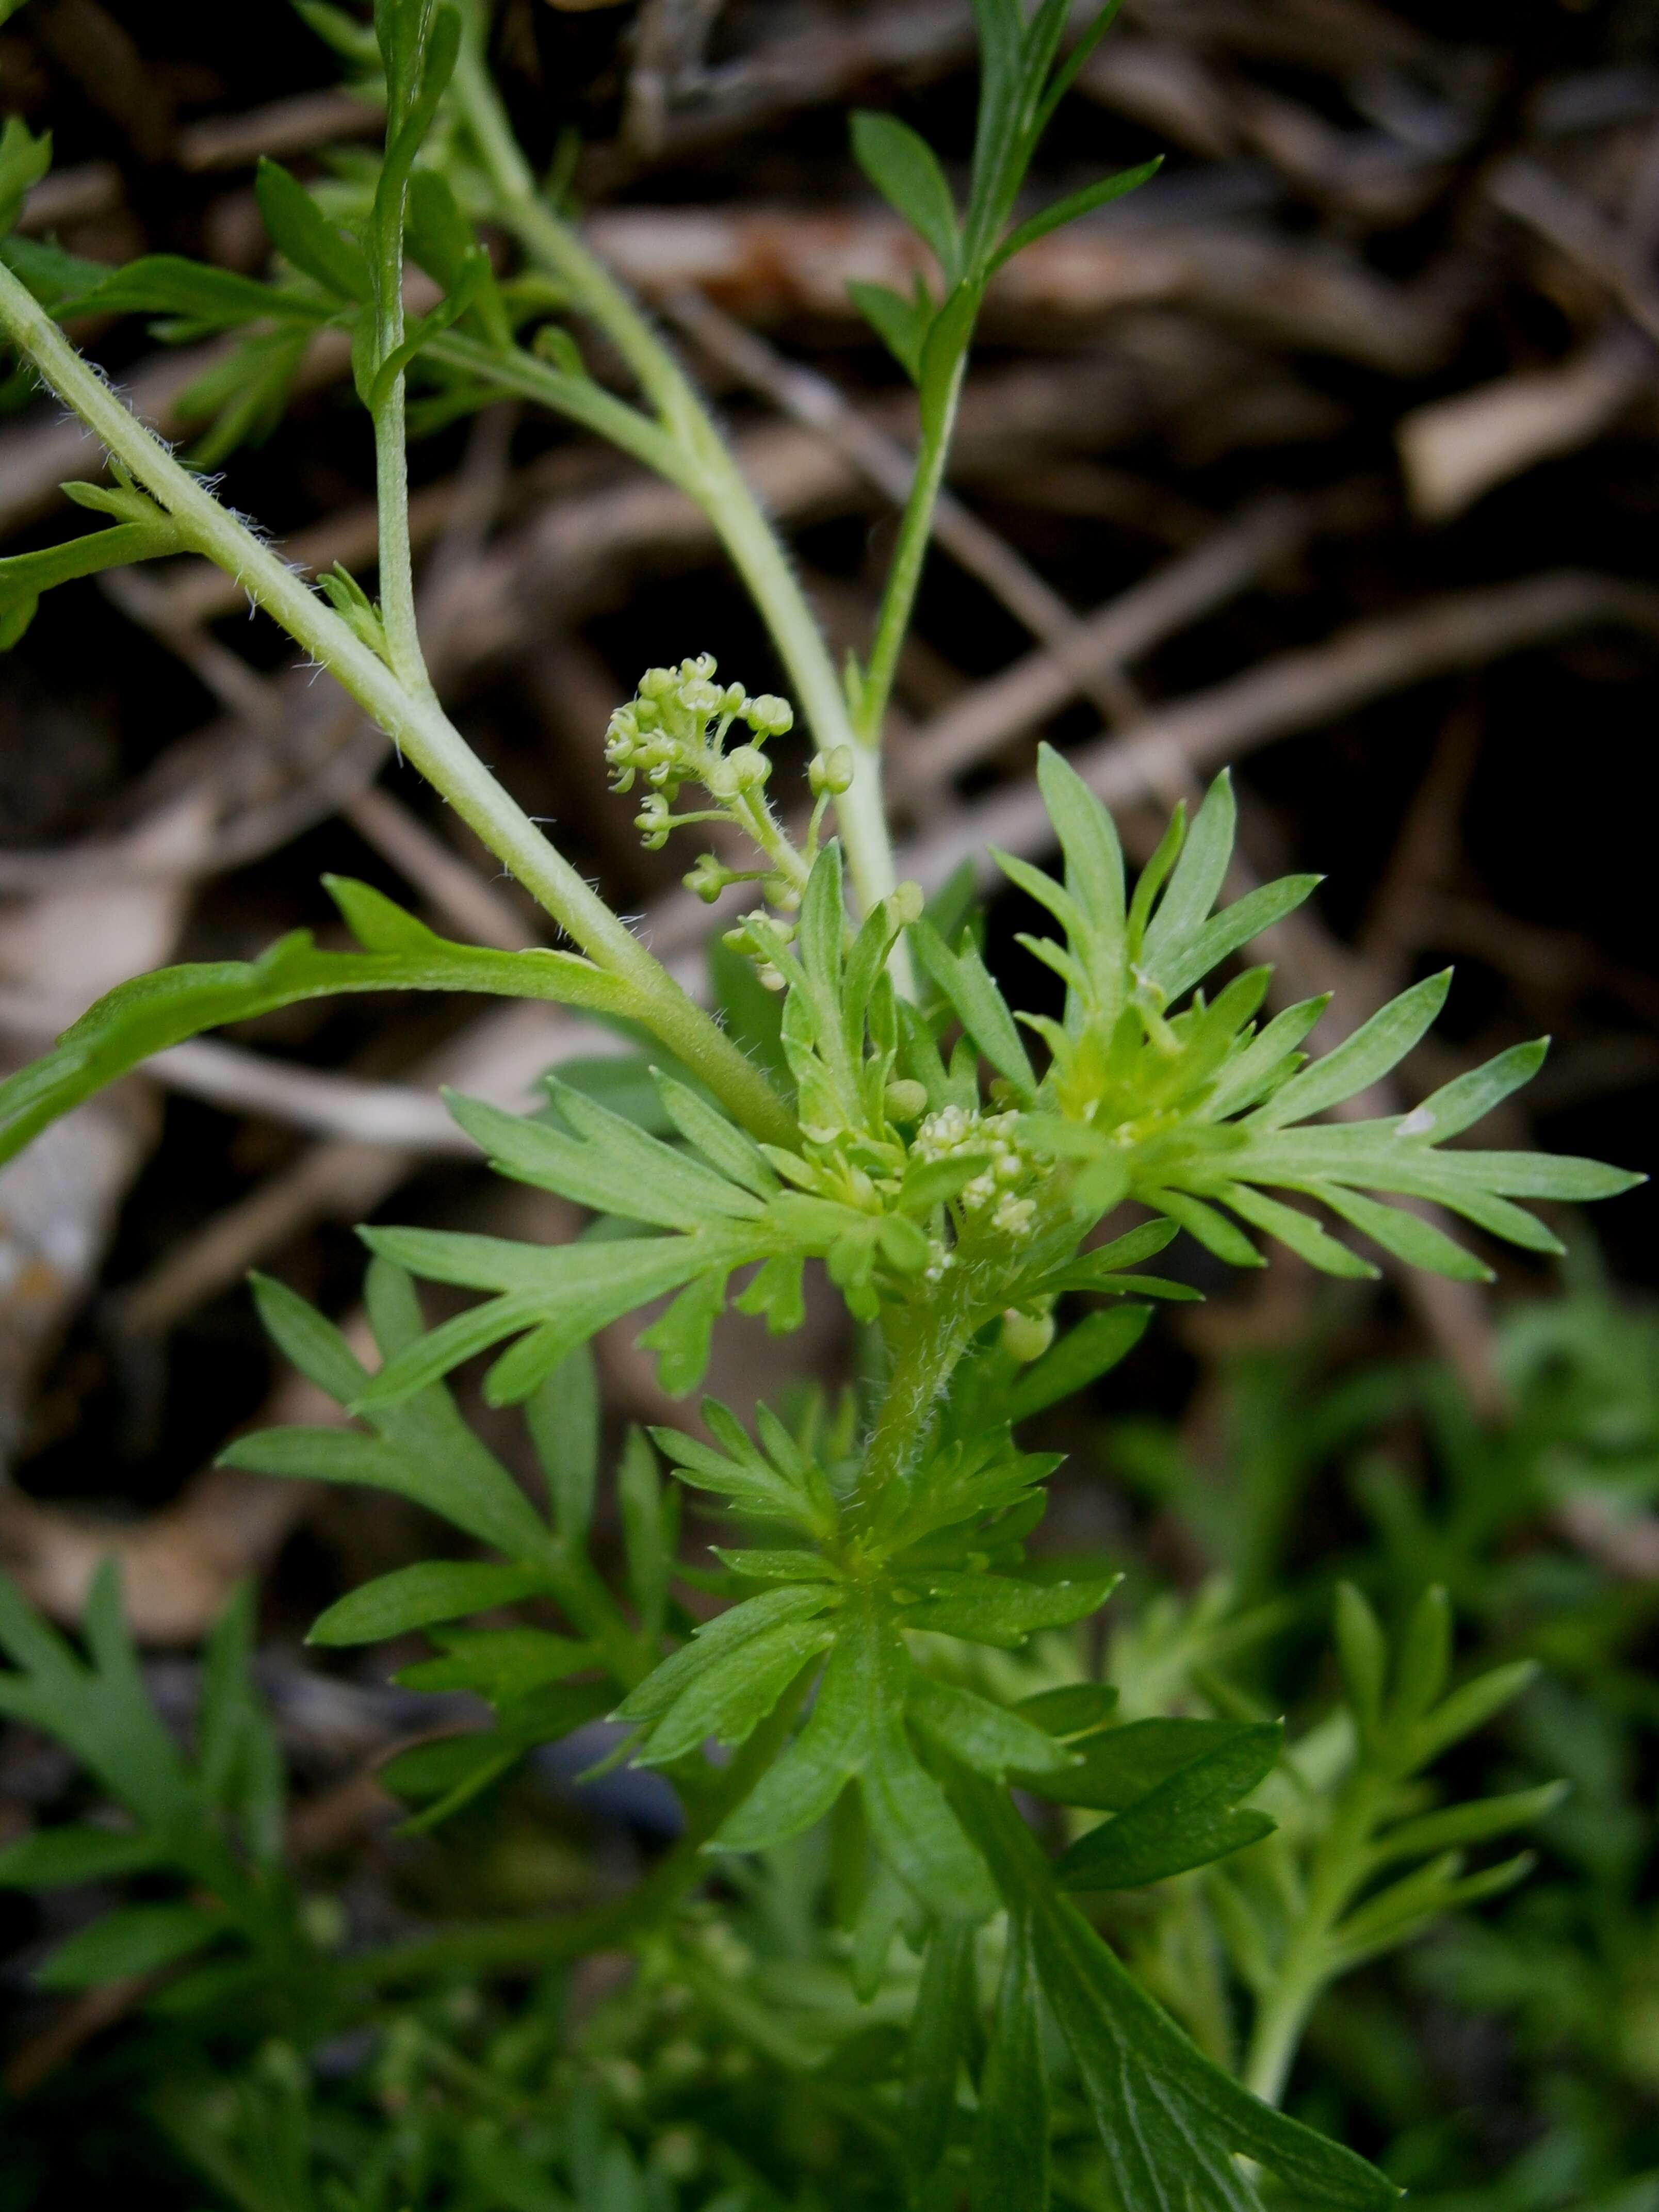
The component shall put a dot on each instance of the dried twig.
(280, 130)
(763, 264)
(916, 40)
(1026, 694)
(1298, 690)
(1575, 227)
(1456, 450)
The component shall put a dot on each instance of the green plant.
(214, 1823)
(868, 1100)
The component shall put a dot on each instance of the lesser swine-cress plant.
(870, 1102)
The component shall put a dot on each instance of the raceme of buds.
(672, 733)
(673, 730)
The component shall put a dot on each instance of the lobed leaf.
(303, 234)
(1186, 1821)
(1374, 1048)
(563, 1415)
(715, 1641)
(1084, 202)
(1010, 2160)
(1123, 1765)
(990, 1738)
(731, 1694)
(52, 1857)
(1170, 2120)
(152, 1011)
(979, 1005)
(900, 324)
(984, 1608)
(941, 2019)
(136, 1942)
(610, 1165)
(1094, 871)
(498, 1664)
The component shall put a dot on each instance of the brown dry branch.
(1576, 228)
(817, 403)
(103, 59)
(71, 2026)
(1370, 176)
(815, 67)
(1298, 690)
(280, 130)
(68, 196)
(1334, 38)
(59, 1201)
(671, 39)
(1038, 686)
(325, 1104)
(766, 264)
(1454, 451)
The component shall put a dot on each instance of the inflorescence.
(674, 731)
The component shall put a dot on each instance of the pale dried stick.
(1298, 690)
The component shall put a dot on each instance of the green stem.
(586, 1598)
(395, 559)
(1340, 1867)
(577, 397)
(415, 721)
(706, 469)
(898, 599)
(764, 831)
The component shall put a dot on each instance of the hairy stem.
(395, 560)
(416, 722)
(927, 1341)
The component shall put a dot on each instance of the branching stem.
(413, 719)
(703, 466)
(1341, 1865)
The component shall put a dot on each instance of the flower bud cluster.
(673, 731)
(992, 1194)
